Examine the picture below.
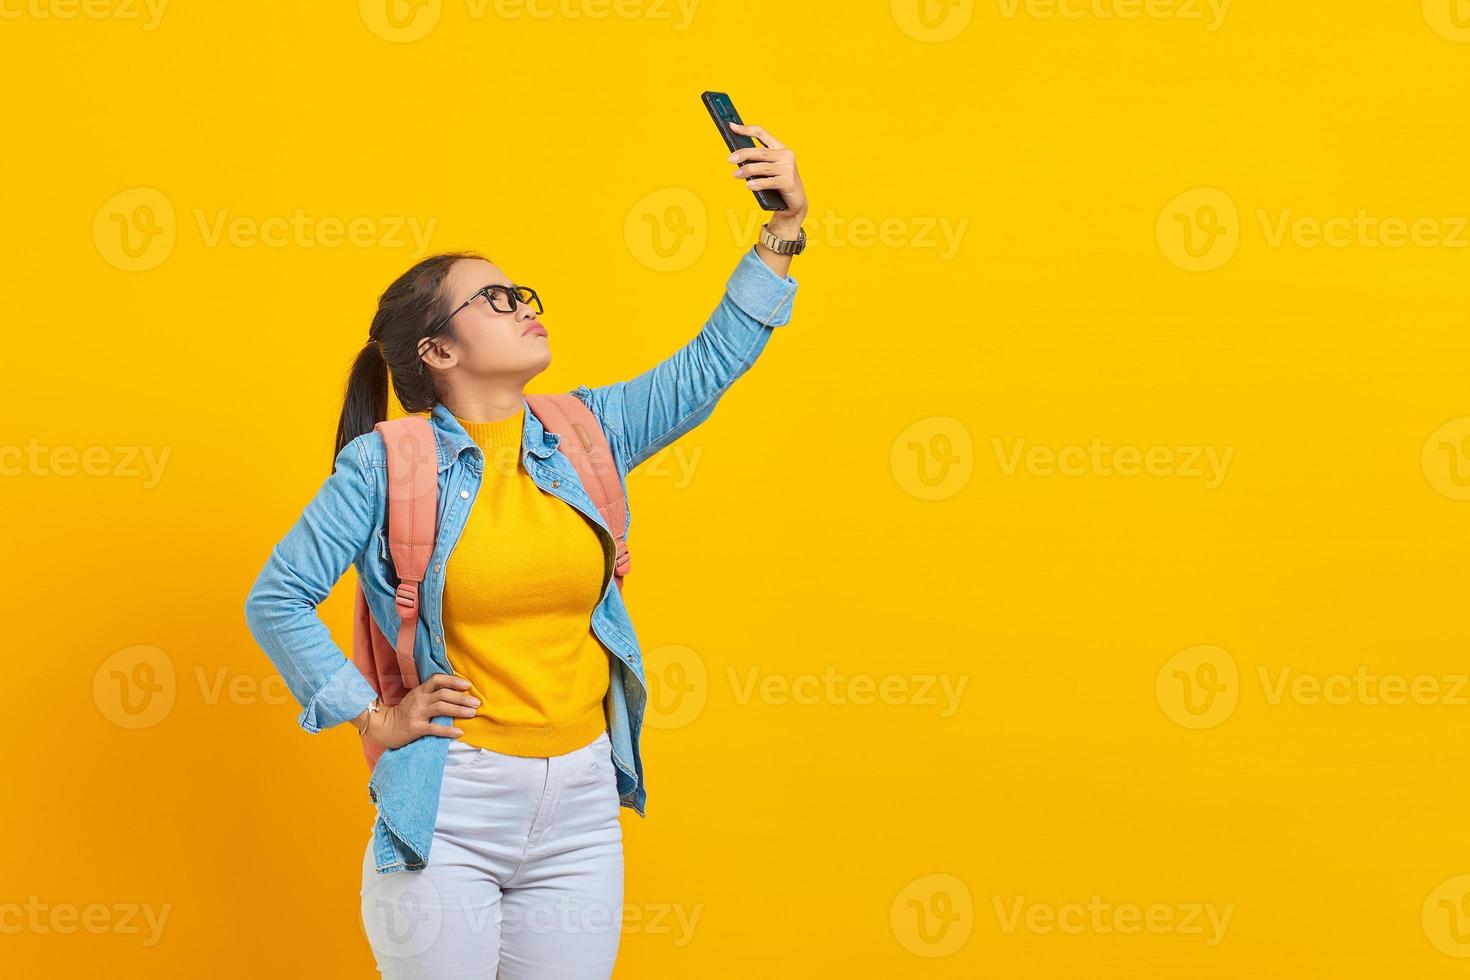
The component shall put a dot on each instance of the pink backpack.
(413, 492)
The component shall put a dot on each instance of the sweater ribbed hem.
(484, 732)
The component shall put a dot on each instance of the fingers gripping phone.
(722, 111)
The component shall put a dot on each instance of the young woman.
(497, 850)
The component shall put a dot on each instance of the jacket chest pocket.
(379, 561)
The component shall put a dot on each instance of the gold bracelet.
(372, 709)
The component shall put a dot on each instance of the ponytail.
(366, 401)
(408, 312)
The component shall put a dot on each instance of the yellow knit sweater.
(519, 591)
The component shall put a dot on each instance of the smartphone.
(722, 111)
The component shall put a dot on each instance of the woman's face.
(483, 341)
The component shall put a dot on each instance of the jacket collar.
(453, 439)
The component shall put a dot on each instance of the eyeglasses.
(502, 299)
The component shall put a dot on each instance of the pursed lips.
(535, 329)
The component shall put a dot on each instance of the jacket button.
(464, 495)
(556, 483)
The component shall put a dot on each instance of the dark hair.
(407, 311)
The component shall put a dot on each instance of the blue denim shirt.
(344, 524)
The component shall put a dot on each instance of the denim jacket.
(344, 524)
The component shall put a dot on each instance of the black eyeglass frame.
(513, 293)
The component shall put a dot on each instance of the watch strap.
(783, 246)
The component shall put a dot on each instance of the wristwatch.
(783, 246)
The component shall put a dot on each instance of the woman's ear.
(435, 354)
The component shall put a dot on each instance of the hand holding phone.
(722, 111)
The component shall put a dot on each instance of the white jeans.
(524, 878)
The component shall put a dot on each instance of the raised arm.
(302, 568)
(646, 413)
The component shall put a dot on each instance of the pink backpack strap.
(413, 499)
(585, 444)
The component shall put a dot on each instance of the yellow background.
(851, 504)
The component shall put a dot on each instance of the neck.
(486, 404)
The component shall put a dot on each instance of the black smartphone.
(722, 111)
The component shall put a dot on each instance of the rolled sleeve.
(763, 295)
(345, 695)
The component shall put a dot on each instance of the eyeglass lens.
(502, 301)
